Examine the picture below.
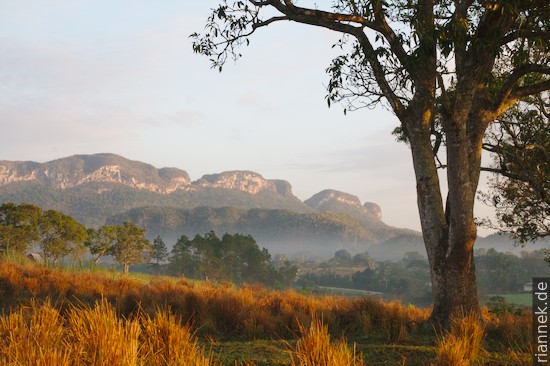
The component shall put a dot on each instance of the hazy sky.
(91, 76)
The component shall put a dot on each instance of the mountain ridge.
(100, 188)
(77, 170)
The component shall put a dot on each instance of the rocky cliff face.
(109, 168)
(341, 202)
(104, 168)
(244, 181)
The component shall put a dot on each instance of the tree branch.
(524, 91)
(523, 33)
(379, 74)
(395, 43)
(268, 22)
(509, 92)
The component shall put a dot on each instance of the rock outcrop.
(109, 168)
(341, 202)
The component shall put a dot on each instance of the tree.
(58, 233)
(520, 186)
(184, 259)
(131, 246)
(18, 226)
(343, 255)
(501, 272)
(447, 70)
(160, 252)
(100, 242)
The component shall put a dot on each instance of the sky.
(96, 76)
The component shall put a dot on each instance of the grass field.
(75, 317)
(525, 299)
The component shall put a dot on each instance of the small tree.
(131, 246)
(100, 242)
(58, 233)
(18, 226)
(160, 252)
(184, 258)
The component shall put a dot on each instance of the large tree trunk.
(454, 288)
(449, 232)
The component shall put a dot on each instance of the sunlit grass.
(96, 336)
(462, 343)
(105, 318)
(315, 348)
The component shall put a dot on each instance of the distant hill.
(330, 200)
(92, 188)
(280, 231)
(107, 187)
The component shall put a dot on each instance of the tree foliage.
(18, 226)
(131, 246)
(235, 257)
(520, 187)
(160, 251)
(58, 234)
(100, 242)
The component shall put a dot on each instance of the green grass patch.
(347, 292)
(525, 299)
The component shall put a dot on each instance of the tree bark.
(454, 288)
(126, 268)
(449, 232)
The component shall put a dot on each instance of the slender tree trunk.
(96, 259)
(126, 268)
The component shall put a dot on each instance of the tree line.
(409, 279)
(59, 235)
(236, 258)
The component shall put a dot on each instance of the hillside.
(101, 188)
(92, 188)
(280, 231)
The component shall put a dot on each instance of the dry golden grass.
(461, 344)
(314, 348)
(102, 318)
(34, 338)
(166, 342)
(99, 337)
(249, 312)
(96, 336)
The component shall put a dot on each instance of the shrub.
(314, 348)
(461, 344)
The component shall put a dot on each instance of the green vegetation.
(131, 246)
(233, 258)
(60, 235)
(520, 185)
(281, 230)
(409, 279)
(236, 258)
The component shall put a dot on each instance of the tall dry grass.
(314, 348)
(34, 338)
(462, 343)
(249, 312)
(93, 312)
(40, 335)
